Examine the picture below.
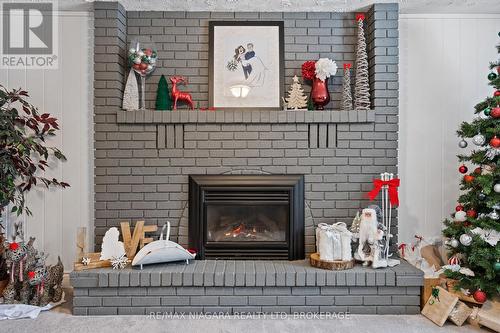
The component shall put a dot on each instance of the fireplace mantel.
(247, 117)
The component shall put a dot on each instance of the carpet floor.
(62, 322)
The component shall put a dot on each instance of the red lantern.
(480, 296)
(463, 169)
(495, 142)
(495, 112)
(471, 213)
(459, 208)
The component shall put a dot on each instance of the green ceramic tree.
(163, 99)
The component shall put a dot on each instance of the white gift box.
(333, 241)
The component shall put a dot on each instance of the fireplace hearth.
(247, 216)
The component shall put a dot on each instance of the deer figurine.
(180, 95)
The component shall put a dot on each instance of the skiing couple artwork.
(251, 65)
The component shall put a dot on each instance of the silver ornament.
(465, 239)
(453, 243)
(479, 140)
(493, 215)
(496, 188)
(462, 143)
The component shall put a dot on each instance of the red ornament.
(454, 260)
(31, 274)
(347, 66)
(459, 208)
(463, 169)
(178, 95)
(137, 66)
(480, 296)
(471, 213)
(143, 66)
(320, 96)
(495, 112)
(13, 246)
(497, 93)
(148, 52)
(360, 16)
(469, 178)
(308, 70)
(495, 142)
(478, 170)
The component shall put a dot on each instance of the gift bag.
(333, 241)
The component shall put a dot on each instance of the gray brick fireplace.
(143, 160)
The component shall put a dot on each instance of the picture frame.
(246, 65)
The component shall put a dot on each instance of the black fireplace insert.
(247, 216)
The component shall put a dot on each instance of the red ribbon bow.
(360, 16)
(347, 66)
(393, 190)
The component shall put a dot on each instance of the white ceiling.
(406, 6)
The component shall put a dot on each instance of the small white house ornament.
(111, 246)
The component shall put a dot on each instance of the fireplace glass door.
(247, 223)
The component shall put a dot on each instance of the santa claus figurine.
(371, 248)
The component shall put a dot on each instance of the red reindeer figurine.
(180, 95)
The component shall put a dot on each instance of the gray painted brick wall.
(141, 169)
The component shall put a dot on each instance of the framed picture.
(246, 65)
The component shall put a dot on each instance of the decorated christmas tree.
(296, 97)
(473, 233)
(163, 99)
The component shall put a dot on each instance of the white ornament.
(150, 68)
(296, 97)
(466, 271)
(137, 60)
(479, 140)
(131, 93)
(85, 261)
(111, 246)
(119, 262)
(460, 216)
(131, 51)
(496, 188)
(493, 215)
(140, 53)
(465, 239)
(454, 243)
(325, 68)
(490, 236)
